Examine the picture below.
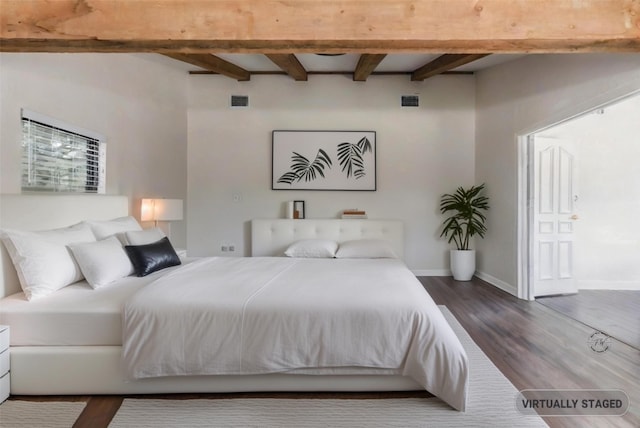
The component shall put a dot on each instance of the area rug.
(33, 414)
(491, 403)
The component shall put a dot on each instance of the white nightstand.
(5, 376)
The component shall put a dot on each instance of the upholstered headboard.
(270, 237)
(45, 211)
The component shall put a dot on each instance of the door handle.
(574, 217)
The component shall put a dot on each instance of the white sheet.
(267, 315)
(74, 315)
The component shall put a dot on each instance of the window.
(57, 157)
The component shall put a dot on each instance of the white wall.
(521, 97)
(421, 153)
(607, 237)
(138, 102)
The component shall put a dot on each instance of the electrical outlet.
(232, 247)
(224, 248)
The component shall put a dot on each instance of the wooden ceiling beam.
(290, 65)
(213, 63)
(330, 26)
(366, 64)
(444, 63)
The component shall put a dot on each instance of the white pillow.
(313, 248)
(143, 237)
(117, 226)
(102, 262)
(365, 249)
(42, 260)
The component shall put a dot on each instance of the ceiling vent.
(410, 101)
(239, 101)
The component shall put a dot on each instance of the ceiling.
(310, 64)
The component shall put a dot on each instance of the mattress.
(76, 315)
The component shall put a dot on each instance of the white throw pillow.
(365, 249)
(312, 248)
(42, 260)
(117, 226)
(143, 237)
(102, 262)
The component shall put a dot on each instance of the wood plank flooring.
(539, 348)
(533, 345)
(593, 308)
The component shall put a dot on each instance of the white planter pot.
(463, 264)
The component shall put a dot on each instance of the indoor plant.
(465, 219)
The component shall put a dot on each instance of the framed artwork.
(323, 160)
(298, 209)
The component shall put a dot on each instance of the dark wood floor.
(533, 345)
(594, 308)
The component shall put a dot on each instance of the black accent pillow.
(153, 257)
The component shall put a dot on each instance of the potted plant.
(465, 220)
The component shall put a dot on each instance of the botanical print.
(351, 157)
(324, 160)
(302, 168)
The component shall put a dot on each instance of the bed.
(71, 342)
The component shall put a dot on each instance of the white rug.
(491, 403)
(35, 414)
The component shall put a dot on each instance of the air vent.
(239, 101)
(410, 101)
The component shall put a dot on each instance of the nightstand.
(5, 376)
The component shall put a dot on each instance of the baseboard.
(607, 285)
(431, 272)
(504, 286)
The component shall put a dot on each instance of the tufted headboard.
(46, 211)
(270, 237)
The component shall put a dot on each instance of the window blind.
(55, 159)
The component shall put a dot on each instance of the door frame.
(525, 215)
(525, 228)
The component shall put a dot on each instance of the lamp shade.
(161, 209)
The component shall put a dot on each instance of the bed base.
(92, 370)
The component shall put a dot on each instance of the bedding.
(42, 260)
(365, 249)
(115, 227)
(318, 248)
(142, 237)
(76, 315)
(102, 262)
(284, 315)
(153, 257)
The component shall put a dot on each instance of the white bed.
(53, 352)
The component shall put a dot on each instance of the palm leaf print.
(350, 157)
(302, 168)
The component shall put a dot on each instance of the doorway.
(605, 245)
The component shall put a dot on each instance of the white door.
(554, 216)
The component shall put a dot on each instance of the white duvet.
(266, 315)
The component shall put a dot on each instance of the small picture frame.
(298, 209)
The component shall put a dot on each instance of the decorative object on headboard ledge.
(298, 209)
(294, 210)
(354, 213)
